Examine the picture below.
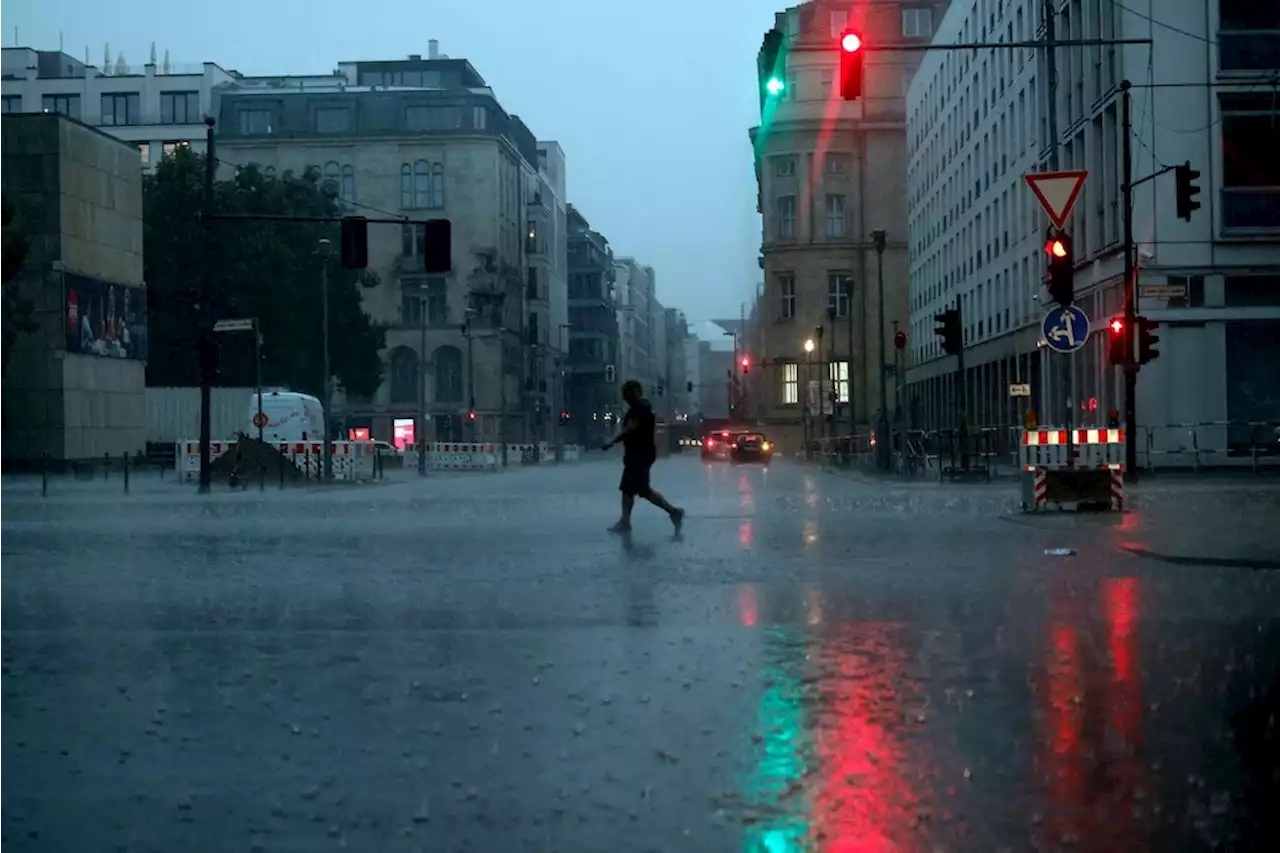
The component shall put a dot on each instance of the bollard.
(282, 460)
(44, 473)
(106, 466)
(125, 462)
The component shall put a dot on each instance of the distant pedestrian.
(640, 452)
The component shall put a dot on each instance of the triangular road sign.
(1057, 192)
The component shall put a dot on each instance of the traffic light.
(850, 65)
(1117, 343)
(949, 330)
(1062, 268)
(564, 418)
(355, 242)
(1187, 191)
(770, 66)
(1147, 341)
(471, 415)
(437, 246)
(688, 386)
(746, 365)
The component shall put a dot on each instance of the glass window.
(835, 216)
(422, 184)
(787, 294)
(254, 121)
(917, 23)
(179, 107)
(67, 105)
(12, 104)
(406, 186)
(348, 194)
(333, 119)
(840, 380)
(839, 292)
(120, 108)
(790, 384)
(786, 213)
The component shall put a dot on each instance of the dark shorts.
(635, 478)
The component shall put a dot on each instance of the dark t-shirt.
(638, 445)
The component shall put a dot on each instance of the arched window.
(331, 177)
(422, 184)
(437, 186)
(448, 375)
(404, 375)
(406, 186)
(348, 184)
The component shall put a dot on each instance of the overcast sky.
(651, 100)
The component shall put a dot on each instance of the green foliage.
(268, 270)
(18, 310)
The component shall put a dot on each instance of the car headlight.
(766, 446)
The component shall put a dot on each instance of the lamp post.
(822, 405)
(879, 239)
(471, 374)
(808, 410)
(325, 250)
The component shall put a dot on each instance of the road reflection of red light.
(864, 801)
(1065, 762)
(746, 533)
(748, 606)
(1121, 598)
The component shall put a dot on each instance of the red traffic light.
(850, 42)
(746, 362)
(471, 415)
(1056, 248)
(1117, 326)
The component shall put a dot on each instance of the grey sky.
(651, 100)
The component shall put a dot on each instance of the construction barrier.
(353, 461)
(1084, 467)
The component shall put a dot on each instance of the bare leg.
(654, 497)
(628, 503)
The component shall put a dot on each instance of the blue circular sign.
(1065, 328)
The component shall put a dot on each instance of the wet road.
(474, 664)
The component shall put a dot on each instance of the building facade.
(551, 169)
(634, 285)
(594, 346)
(74, 380)
(979, 122)
(830, 174)
(448, 151)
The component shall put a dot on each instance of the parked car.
(751, 447)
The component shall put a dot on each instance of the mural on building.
(105, 319)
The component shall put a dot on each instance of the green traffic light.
(774, 86)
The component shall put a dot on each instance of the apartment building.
(831, 173)
(594, 346)
(445, 148)
(979, 121)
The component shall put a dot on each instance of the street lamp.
(808, 412)
(325, 249)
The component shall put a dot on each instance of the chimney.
(433, 49)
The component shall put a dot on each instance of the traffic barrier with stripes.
(353, 461)
(1080, 466)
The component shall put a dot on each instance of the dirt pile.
(249, 459)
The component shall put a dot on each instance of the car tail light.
(766, 446)
(711, 442)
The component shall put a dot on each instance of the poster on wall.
(105, 319)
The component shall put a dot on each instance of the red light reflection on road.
(746, 534)
(748, 606)
(863, 801)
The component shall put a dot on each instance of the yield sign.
(1057, 192)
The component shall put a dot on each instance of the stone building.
(74, 380)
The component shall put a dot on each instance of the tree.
(268, 270)
(18, 310)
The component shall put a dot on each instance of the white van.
(290, 416)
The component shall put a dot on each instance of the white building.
(693, 373)
(633, 288)
(155, 106)
(978, 121)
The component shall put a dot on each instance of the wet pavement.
(472, 663)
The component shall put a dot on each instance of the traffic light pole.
(1130, 290)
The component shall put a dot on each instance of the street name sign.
(234, 325)
(1019, 389)
(1057, 192)
(1065, 328)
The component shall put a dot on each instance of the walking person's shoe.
(620, 527)
(677, 519)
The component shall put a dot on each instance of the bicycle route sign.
(1065, 328)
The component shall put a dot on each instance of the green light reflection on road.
(772, 788)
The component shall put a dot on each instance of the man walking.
(640, 452)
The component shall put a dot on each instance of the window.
(348, 194)
(839, 292)
(413, 240)
(839, 20)
(67, 105)
(170, 147)
(786, 213)
(12, 104)
(1250, 171)
(422, 184)
(787, 295)
(144, 151)
(835, 216)
(254, 121)
(420, 117)
(790, 384)
(479, 118)
(840, 380)
(120, 109)
(917, 23)
(784, 167)
(330, 183)
(448, 361)
(404, 375)
(837, 164)
(531, 238)
(179, 107)
(333, 119)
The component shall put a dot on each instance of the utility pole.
(1130, 289)
(420, 430)
(327, 451)
(1062, 363)
(822, 394)
(848, 314)
(205, 316)
(471, 374)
